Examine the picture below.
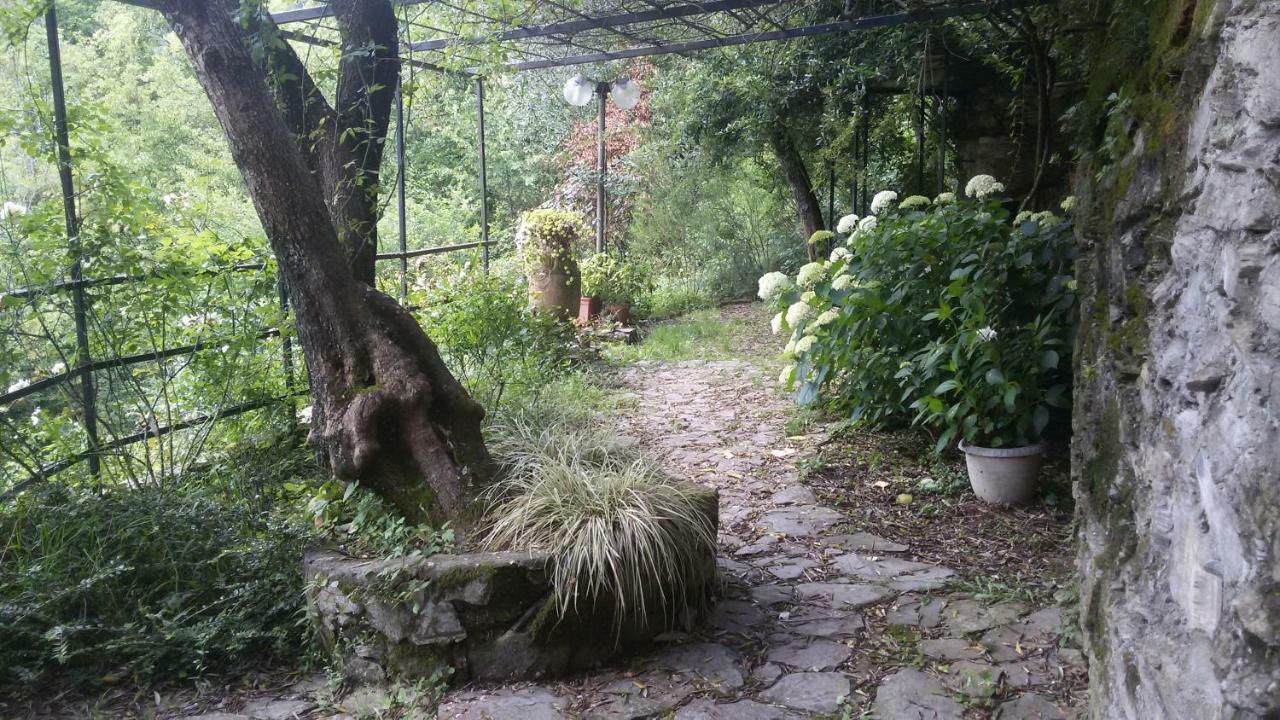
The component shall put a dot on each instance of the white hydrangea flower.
(828, 316)
(17, 386)
(798, 313)
(776, 323)
(811, 274)
(807, 295)
(790, 349)
(847, 224)
(1046, 218)
(772, 285)
(784, 378)
(806, 343)
(1022, 217)
(982, 186)
(840, 253)
(842, 282)
(883, 201)
(987, 334)
(867, 224)
(945, 198)
(913, 201)
(1069, 204)
(11, 209)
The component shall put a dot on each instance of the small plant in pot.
(616, 281)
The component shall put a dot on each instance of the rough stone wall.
(1176, 450)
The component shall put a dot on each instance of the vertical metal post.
(484, 179)
(942, 127)
(831, 195)
(79, 304)
(602, 89)
(866, 151)
(400, 209)
(286, 342)
(853, 183)
(920, 122)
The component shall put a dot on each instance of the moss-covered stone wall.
(1176, 450)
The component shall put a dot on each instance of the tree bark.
(387, 411)
(797, 176)
(343, 143)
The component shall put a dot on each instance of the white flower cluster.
(1046, 218)
(12, 209)
(798, 313)
(1021, 217)
(982, 186)
(773, 284)
(776, 323)
(883, 201)
(811, 274)
(827, 316)
(806, 343)
(1069, 204)
(840, 253)
(987, 334)
(867, 224)
(945, 198)
(842, 282)
(847, 224)
(913, 201)
(784, 379)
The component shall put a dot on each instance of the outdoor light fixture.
(625, 93)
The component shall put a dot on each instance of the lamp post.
(625, 92)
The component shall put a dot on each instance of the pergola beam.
(320, 11)
(671, 12)
(748, 38)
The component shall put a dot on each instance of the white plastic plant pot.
(1003, 476)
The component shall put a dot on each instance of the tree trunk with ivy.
(387, 412)
(797, 175)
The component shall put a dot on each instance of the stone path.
(809, 600)
(803, 590)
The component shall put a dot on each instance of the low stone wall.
(491, 616)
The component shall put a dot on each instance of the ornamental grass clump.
(950, 314)
(619, 532)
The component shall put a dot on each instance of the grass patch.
(715, 334)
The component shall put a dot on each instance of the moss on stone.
(458, 576)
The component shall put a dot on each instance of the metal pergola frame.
(558, 39)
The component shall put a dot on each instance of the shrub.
(614, 279)
(489, 338)
(947, 314)
(145, 584)
(618, 530)
(545, 241)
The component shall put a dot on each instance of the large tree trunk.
(388, 412)
(797, 176)
(343, 143)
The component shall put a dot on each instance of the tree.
(386, 410)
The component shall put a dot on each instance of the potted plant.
(615, 281)
(545, 240)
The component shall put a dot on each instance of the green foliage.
(821, 237)
(614, 278)
(490, 339)
(144, 584)
(362, 523)
(619, 531)
(949, 314)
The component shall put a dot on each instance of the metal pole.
(400, 209)
(831, 195)
(87, 395)
(484, 180)
(286, 350)
(866, 150)
(602, 89)
(942, 132)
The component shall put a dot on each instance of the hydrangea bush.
(946, 312)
